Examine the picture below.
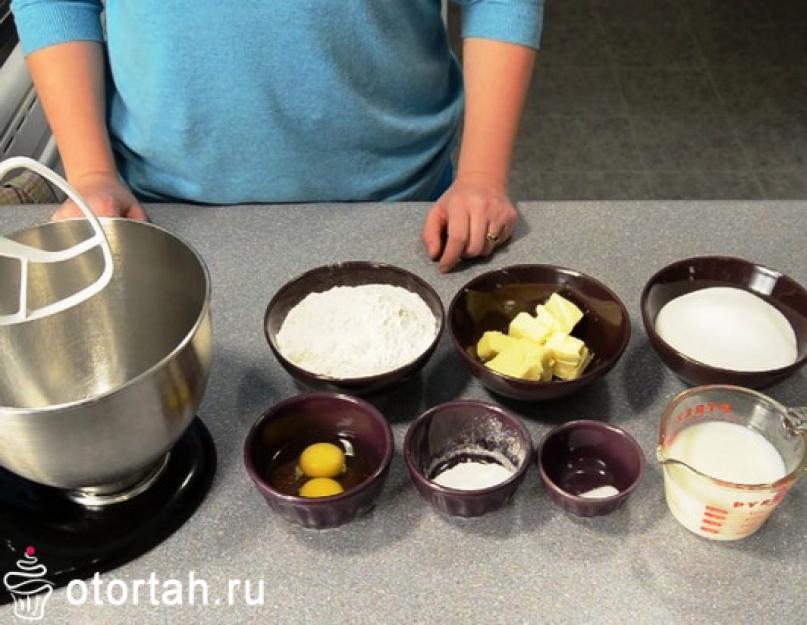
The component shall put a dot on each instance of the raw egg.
(322, 460)
(321, 487)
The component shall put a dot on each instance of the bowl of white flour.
(354, 327)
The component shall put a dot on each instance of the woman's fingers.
(136, 212)
(476, 219)
(66, 211)
(497, 235)
(432, 234)
(457, 240)
(477, 237)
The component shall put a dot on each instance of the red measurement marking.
(712, 515)
(719, 510)
(710, 522)
(711, 530)
(766, 503)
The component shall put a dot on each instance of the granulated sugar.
(352, 332)
(728, 328)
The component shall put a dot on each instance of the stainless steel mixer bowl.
(92, 398)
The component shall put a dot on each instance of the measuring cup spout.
(797, 420)
(664, 460)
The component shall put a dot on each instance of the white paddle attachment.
(27, 254)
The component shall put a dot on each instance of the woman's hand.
(474, 214)
(106, 195)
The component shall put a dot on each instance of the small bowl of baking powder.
(467, 458)
(354, 327)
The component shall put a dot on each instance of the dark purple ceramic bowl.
(312, 417)
(453, 425)
(353, 273)
(579, 456)
(693, 274)
(492, 300)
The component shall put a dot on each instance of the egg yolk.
(322, 460)
(321, 487)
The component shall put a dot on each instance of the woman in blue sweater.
(287, 101)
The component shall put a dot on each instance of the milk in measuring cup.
(732, 453)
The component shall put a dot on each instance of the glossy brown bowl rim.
(349, 264)
(614, 429)
(273, 410)
(518, 474)
(650, 329)
(538, 384)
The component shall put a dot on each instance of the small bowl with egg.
(538, 332)
(467, 457)
(589, 468)
(320, 459)
(354, 327)
(725, 320)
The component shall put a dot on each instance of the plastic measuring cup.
(714, 508)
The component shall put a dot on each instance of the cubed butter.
(525, 326)
(565, 313)
(545, 318)
(572, 372)
(565, 349)
(523, 359)
(492, 343)
(539, 347)
(539, 358)
(510, 362)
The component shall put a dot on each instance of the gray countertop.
(405, 563)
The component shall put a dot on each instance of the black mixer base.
(75, 542)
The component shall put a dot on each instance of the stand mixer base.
(76, 542)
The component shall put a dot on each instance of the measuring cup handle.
(797, 419)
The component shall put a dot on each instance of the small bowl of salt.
(589, 468)
(724, 320)
(354, 327)
(467, 458)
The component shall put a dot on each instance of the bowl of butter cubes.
(538, 332)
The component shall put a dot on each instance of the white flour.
(352, 332)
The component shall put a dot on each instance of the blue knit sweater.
(279, 100)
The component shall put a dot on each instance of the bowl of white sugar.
(724, 320)
(354, 327)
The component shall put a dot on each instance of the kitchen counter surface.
(405, 563)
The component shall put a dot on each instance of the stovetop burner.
(75, 542)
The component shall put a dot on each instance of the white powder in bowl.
(357, 331)
(600, 493)
(473, 467)
(471, 475)
(728, 328)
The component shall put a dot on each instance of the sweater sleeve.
(43, 23)
(514, 21)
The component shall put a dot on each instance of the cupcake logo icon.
(28, 587)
